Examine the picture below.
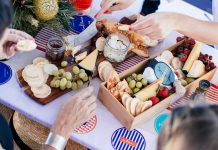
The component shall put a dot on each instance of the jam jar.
(116, 47)
(55, 50)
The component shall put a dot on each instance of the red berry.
(205, 57)
(207, 68)
(192, 42)
(210, 57)
(212, 65)
(178, 39)
(183, 57)
(187, 51)
(155, 100)
(163, 93)
(180, 50)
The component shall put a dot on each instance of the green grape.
(55, 73)
(139, 77)
(64, 63)
(57, 78)
(128, 79)
(68, 76)
(79, 83)
(62, 87)
(132, 84)
(82, 75)
(76, 70)
(136, 90)
(63, 82)
(74, 85)
(61, 72)
(85, 79)
(139, 85)
(134, 75)
(52, 83)
(57, 83)
(69, 85)
(144, 82)
(63, 75)
(82, 70)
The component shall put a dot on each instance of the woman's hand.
(74, 112)
(10, 40)
(108, 6)
(157, 25)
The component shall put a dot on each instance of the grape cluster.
(136, 82)
(184, 50)
(67, 80)
(207, 60)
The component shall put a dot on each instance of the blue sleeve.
(150, 6)
(6, 138)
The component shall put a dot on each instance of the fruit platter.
(146, 89)
(65, 68)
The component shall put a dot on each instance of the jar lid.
(204, 85)
(79, 23)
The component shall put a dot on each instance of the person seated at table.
(158, 25)
(108, 6)
(190, 128)
(72, 114)
(9, 37)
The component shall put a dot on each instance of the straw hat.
(34, 134)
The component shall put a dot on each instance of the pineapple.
(46, 9)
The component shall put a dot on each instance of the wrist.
(178, 20)
(56, 141)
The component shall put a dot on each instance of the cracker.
(134, 103)
(124, 98)
(26, 45)
(42, 91)
(40, 60)
(139, 108)
(128, 104)
(147, 104)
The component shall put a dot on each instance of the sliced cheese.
(81, 56)
(89, 62)
(149, 91)
(197, 70)
(195, 53)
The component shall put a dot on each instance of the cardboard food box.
(120, 112)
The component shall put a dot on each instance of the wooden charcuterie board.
(55, 93)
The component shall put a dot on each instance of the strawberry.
(187, 51)
(178, 39)
(163, 93)
(155, 100)
(183, 57)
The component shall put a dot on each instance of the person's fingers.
(140, 24)
(25, 35)
(90, 100)
(10, 52)
(105, 8)
(146, 31)
(116, 7)
(84, 93)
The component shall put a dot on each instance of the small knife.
(84, 36)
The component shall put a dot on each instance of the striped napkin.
(45, 34)
(212, 95)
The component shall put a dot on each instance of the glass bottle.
(200, 93)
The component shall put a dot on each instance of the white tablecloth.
(100, 138)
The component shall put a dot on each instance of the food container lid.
(79, 23)
(204, 85)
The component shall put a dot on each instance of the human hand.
(74, 112)
(157, 25)
(108, 6)
(9, 41)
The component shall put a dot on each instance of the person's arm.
(72, 114)
(108, 6)
(159, 25)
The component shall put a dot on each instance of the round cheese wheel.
(49, 68)
(40, 60)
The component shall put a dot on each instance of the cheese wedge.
(80, 56)
(149, 91)
(89, 62)
(197, 70)
(195, 53)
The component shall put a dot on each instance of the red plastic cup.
(81, 5)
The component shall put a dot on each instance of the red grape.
(192, 42)
(178, 39)
(207, 68)
(212, 65)
(210, 57)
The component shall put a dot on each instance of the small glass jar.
(116, 50)
(55, 50)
